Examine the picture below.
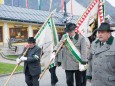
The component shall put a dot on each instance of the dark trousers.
(31, 80)
(70, 77)
(54, 78)
(83, 75)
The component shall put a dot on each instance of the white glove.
(23, 58)
(18, 60)
(88, 82)
(82, 67)
(52, 56)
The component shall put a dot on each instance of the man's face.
(31, 45)
(71, 33)
(103, 36)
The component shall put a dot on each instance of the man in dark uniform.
(69, 63)
(32, 68)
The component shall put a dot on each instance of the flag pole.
(15, 69)
(62, 5)
(103, 5)
(71, 7)
(41, 75)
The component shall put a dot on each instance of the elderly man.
(101, 71)
(32, 68)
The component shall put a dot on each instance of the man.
(54, 78)
(31, 60)
(69, 63)
(101, 71)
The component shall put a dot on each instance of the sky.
(112, 2)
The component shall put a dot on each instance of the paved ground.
(18, 79)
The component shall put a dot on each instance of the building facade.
(17, 24)
(19, 32)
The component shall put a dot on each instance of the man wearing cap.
(101, 71)
(32, 68)
(69, 63)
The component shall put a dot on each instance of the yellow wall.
(35, 27)
(1, 23)
(12, 25)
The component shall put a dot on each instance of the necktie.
(71, 37)
(101, 44)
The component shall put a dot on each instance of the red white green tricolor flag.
(39, 4)
(47, 38)
(93, 14)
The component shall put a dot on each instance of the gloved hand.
(52, 56)
(82, 67)
(23, 58)
(18, 60)
(88, 82)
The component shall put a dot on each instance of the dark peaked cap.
(70, 27)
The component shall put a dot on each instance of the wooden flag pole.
(15, 69)
(50, 62)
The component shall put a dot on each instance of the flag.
(47, 38)
(18, 2)
(1, 1)
(26, 3)
(39, 4)
(101, 12)
(89, 20)
(62, 5)
(50, 5)
(71, 7)
(12, 2)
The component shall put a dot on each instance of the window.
(18, 34)
(35, 32)
(1, 35)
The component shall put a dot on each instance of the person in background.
(52, 70)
